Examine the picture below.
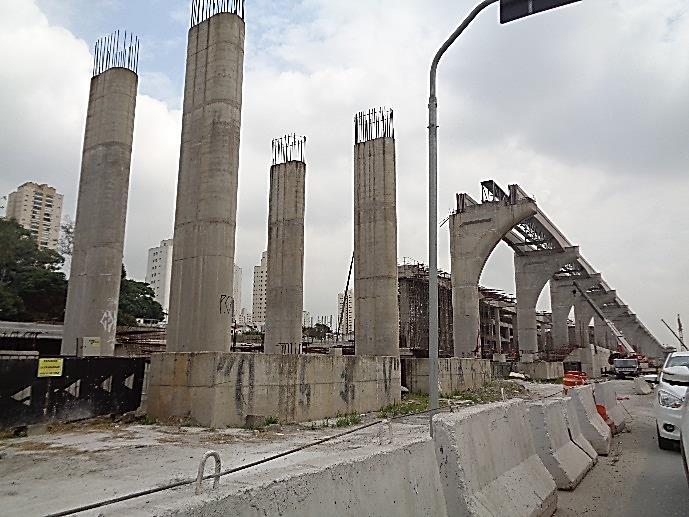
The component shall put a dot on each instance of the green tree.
(31, 286)
(137, 300)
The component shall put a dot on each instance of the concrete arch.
(562, 297)
(474, 234)
(532, 271)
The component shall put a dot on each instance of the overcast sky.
(586, 107)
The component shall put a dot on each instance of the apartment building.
(38, 208)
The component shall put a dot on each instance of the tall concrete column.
(95, 272)
(475, 230)
(285, 275)
(532, 271)
(376, 318)
(204, 240)
(600, 332)
(583, 313)
(561, 301)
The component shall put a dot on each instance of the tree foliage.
(137, 300)
(31, 286)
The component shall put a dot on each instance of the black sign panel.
(511, 10)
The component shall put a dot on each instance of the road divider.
(565, 460)
(605, 395)
(489, 465)
(575, 433)
(593, 427)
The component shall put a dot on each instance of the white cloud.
(585, 108)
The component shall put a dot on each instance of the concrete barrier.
(605, 394)
(566, 462)
(575, 430)
(641, 387)
(488, 464)
(393, 481)
(593, 427)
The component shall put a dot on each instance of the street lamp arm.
(433, 215)
(470, 18)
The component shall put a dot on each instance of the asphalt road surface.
(637, 478)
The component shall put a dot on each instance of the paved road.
(637, 479)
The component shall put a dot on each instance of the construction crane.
(679, 329)
(680, 339)
(621, 340)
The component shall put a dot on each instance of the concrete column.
(95, 272)
(376, 318)
(498, 355)
(600, 332)
(561, 301)
(583, 312)
(285, 276)
(532, 271)
(203, 255)
(474, 233)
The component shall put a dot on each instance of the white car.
(684, 432)
(669, 400)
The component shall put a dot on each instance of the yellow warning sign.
(50, 367)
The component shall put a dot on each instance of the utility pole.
(510, 10)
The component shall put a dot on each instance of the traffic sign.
(511, 10)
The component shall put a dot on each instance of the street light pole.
(510, 10)
(433, 211)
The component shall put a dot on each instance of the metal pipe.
(433, 211)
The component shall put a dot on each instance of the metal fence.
(85, 387)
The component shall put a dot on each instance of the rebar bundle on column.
(372, 124)
(116, 50)
(288, 148)
(201, 10)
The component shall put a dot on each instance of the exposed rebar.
(119, 49)
(374, 123)
(289, 148)
(201, 10)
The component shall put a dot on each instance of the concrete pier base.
(454, 374)
(541, 370)
(218, 389)
(500, 358)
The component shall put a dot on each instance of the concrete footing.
(593, 427)
(454, 373)
(488, 463)
(542, 370)
(218, 389)
(565, 461)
